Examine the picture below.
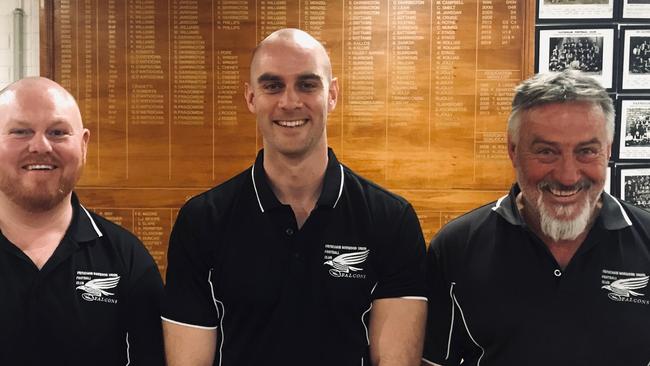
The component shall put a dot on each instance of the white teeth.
(291, 123)
(39, 167)
(557, 192)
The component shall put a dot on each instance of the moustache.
(39, 159)
(555, 186)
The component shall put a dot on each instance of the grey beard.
(557, 229)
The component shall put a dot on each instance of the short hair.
(559, 87)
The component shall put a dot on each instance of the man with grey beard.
(555, 272)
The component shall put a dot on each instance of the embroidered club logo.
(345, 264)
(95, 286)
(625, 286)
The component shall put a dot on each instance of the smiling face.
(42, 144)
(291, 95)
(561, 159)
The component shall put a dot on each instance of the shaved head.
(33, 91)
(296, 38)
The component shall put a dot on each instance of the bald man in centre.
(297, 260)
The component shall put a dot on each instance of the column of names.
(146, 102)
(190, 76)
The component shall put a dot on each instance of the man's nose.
(290, 99)
(39, 143)
(567, 172)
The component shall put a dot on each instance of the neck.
(297, 182)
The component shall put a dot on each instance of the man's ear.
(512, 151)
(249, 96)
(84, 144)
(333, 94)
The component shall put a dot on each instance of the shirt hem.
(187, 324)
(430, 362)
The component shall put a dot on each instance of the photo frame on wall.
(589, 49)
(634, 184)
(633, 128)
(635, 10)
(608, 180)
(575, 10)
(634, 75)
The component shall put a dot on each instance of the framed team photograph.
(575, 10)
(634, 75)
(633, 127)
(589, 49)
(634, 184)
(635, 10)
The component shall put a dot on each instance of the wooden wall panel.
(426, 89)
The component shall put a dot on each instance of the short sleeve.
(144, 331)
(402, 268)
(188, 289)
(443, 332)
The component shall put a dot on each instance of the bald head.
(37, 92)
(296, 39)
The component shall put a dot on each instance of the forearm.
(397, 332)
(188, 346)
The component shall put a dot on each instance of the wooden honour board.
(426, 87)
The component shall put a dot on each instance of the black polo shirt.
(94, 302)
(280, 295)
(498, 297)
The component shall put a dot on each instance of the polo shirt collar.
(82, 228)
(329, 197)
(612, 215)
(506, 207)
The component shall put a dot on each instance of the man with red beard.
(75, 289)
(555, 272)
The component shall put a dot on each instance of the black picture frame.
(609, 178)
(632, 134)
(633, 184)
(634, 11)
(590, 48)
(576, 11)
(634, 59)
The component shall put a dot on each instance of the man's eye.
(57, 133)
(587, 154)
(545, 152)
(308, 85)
(273, 87)
(19, 132)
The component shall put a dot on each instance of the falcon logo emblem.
(624, 287)
(96, 289)
(344, 264)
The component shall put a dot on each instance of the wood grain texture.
(426, 89)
